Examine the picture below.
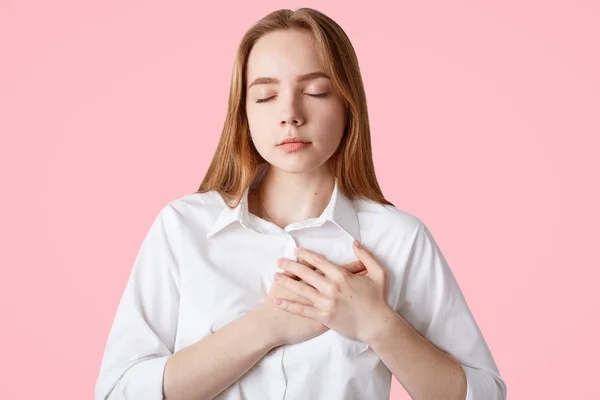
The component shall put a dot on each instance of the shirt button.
(289, 250)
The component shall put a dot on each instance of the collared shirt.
(202, 265)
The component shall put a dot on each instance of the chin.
(296, 165)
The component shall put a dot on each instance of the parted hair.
(236, 160)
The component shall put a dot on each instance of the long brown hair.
(236, 160)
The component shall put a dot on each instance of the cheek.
(257, 118)
(330, 118)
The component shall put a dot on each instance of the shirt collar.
(340, 211)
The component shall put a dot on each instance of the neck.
(285, 198)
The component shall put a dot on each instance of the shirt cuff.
(144, 380)
(483, 385)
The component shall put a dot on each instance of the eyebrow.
(299, 78)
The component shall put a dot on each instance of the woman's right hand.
(288, 328)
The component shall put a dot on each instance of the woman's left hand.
(345, 302)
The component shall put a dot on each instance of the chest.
(226, 277)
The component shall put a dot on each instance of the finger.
(301, 289)
(290, 275)
(328, 268)
(375, 269)
(308, 275)
(294, 276)
(354, 267)
(303, 262)
(299, 309)
(291, 296)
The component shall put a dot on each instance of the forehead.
(283, 55)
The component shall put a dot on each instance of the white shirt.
(202, 265)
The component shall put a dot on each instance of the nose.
(291, 119)
(291, 114)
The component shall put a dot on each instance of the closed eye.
(320, 95)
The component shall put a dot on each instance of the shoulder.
(387, 219)
(195, 201)
(199, 209)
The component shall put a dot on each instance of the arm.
(209, 366)
(424, 371)
(138, 360)
(432, 343)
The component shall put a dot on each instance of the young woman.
(254, 288)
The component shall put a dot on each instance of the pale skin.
(298, 186)
(204, 369)
(209, 366)
(355, 306)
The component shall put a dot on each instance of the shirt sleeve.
(434, 305)
(142, 335)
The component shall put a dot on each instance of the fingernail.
(357, 243)
(276, 276)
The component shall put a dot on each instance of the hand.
(342, 301)
(288, 328)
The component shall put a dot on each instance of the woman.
(206, 314)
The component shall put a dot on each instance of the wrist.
(264, 327)
(384, 320)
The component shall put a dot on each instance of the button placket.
(289, 254)
(290, 246)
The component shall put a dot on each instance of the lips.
(293, 141)
(293, 146)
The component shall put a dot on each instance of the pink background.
(485, 124)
